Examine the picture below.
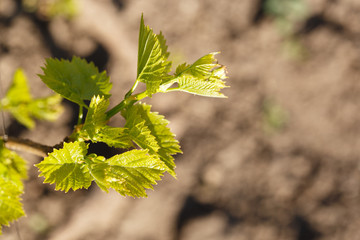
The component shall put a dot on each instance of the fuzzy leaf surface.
(139, 132)
(66, 167)
(114, 137)
(130, 173)
(10, 202)
(96, 117)
(204, 77)
(153, 66)
(157, 125)
(96, 130)
(76, 80)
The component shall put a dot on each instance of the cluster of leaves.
(24, 108)
(51, 8)
(12, 171)
(150, 144)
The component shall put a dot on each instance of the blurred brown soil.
(241, 176)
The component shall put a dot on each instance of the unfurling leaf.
(153, 66)
(96, 130)
(96, 117)
(75, 80)
(204, 77)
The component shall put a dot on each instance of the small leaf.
(12, 166)
(76, 80)
(114, 137)
(66, 167)
(19, 91)
(10, 206)
(96, 130)
(204, 77)
(97, 167)
(153, 66)
(96, 116)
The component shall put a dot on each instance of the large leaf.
(204, 77)
(66, 167)
(10, 206)
(153, 66)
(76, 80)
(157, 124)
(129, 173)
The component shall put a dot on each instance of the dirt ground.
(278, 159)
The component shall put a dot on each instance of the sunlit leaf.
(66, 167)
(10, 202)
(153, 66)
(77, 80)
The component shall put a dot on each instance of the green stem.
(125, 103)
(81, 114)
(130, 92)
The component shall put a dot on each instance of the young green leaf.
(204, 77)
(96, 130)
(47, 108)
(10, 205)
(130, 173)
(12, 167)
(23, 107)
(96, 116)
(157, 124)
(19, 91)
(75, 80)
(113, 137)
(140, 133)
(153, 66)
(66, 167)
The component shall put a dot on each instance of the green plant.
(149, 143)
(50, 8)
